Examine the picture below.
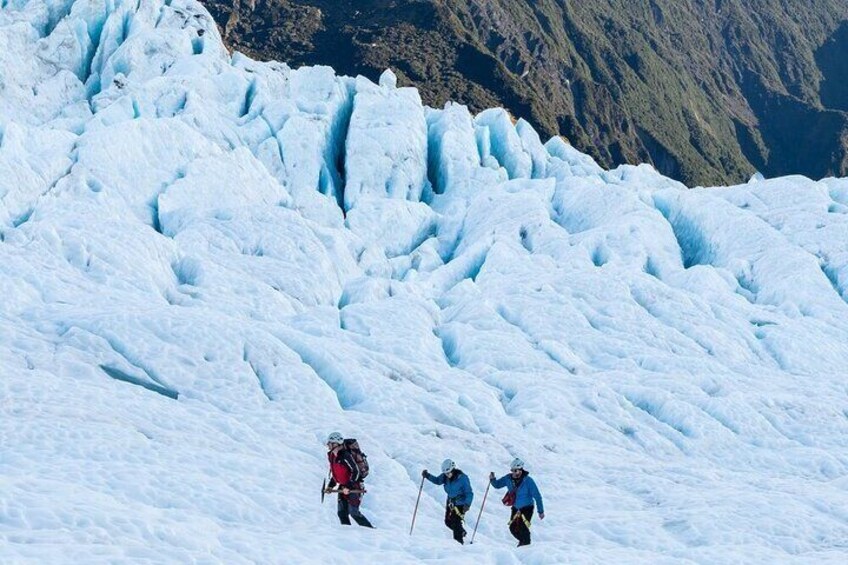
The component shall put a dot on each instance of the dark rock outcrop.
(707, 90)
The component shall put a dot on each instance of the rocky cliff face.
(707, 90)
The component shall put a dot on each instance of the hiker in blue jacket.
(458, 488)
(521, 493)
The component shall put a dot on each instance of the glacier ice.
(208, 262)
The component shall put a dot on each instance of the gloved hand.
(491, 476)
(424, 473)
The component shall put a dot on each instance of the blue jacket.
(458, 488)
(526, 492)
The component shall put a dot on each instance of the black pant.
(518, 527)
(349, 506)
(454, 516)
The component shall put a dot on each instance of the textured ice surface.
(208, 263)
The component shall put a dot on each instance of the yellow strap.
(459, 513)
(523, 517)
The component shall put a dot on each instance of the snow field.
(208, 263)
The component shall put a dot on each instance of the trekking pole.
(416, 505)
(481, 512)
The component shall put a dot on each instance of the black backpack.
(361, 460)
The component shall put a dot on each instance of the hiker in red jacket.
(345, 473)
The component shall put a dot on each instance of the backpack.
(359, 458)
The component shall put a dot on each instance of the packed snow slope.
(208, 263)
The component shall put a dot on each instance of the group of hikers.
(349, 467)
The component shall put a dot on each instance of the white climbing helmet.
(335, 437)
(448, 465)
(516, 465)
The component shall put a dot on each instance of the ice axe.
(350, 491)
(325, 490)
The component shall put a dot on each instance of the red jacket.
(343, 469)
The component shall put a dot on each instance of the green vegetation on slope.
(707, 90)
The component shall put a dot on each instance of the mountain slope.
(706, 91)
(208, 263)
